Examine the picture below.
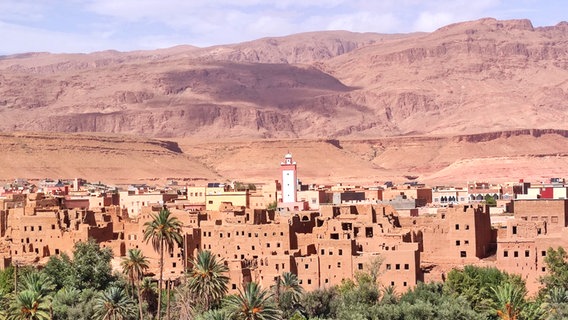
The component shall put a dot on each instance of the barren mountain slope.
(176, 92)
(107, 158)
(496, 157)
(472, 77)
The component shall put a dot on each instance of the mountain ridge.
(476, 84)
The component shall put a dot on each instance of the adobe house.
(454, 237)
(538, 224)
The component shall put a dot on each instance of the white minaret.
(289, 179)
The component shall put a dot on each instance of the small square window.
(397, 266)
(360, 266)
(516, 254)
(527, 253)
(505, 253)
(406, 266)
(457, 242)
(388, 266)
(463, 254)
(309, 281)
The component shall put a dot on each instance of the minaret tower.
(289, 179)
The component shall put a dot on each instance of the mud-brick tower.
(289, 179)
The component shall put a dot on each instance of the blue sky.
(94, 25)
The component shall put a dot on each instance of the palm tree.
(33, 300)
(556, 303)
(37, 282)
(389, 295)
(288, 285)
(148, 293)
(252, 303)
(114, 304)
(510, 300)
(134, 265)
(64, 299)
(29, 305)
(287, 293)
(218, 314)
(164, 230)
(207, 278)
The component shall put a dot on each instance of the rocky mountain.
(484, 98)
(471, 77)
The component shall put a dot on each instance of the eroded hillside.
(473, 77)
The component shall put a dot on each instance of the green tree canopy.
(557, 270)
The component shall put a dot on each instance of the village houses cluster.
(321, 233)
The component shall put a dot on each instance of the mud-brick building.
(34, 227)
(131, 236)
(256, 244)
(538, 225)
(321, 247)
(455, 236)
(347, 239)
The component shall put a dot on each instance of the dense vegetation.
(85, 288)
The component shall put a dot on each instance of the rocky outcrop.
(472, 77)
(489, 136)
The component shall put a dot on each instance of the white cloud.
(365, 21)
(17, 39)
(429, 21)
(87, 25)
(21, 11)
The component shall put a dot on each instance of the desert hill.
(483, 99)
(497, 156)
(472, 77)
